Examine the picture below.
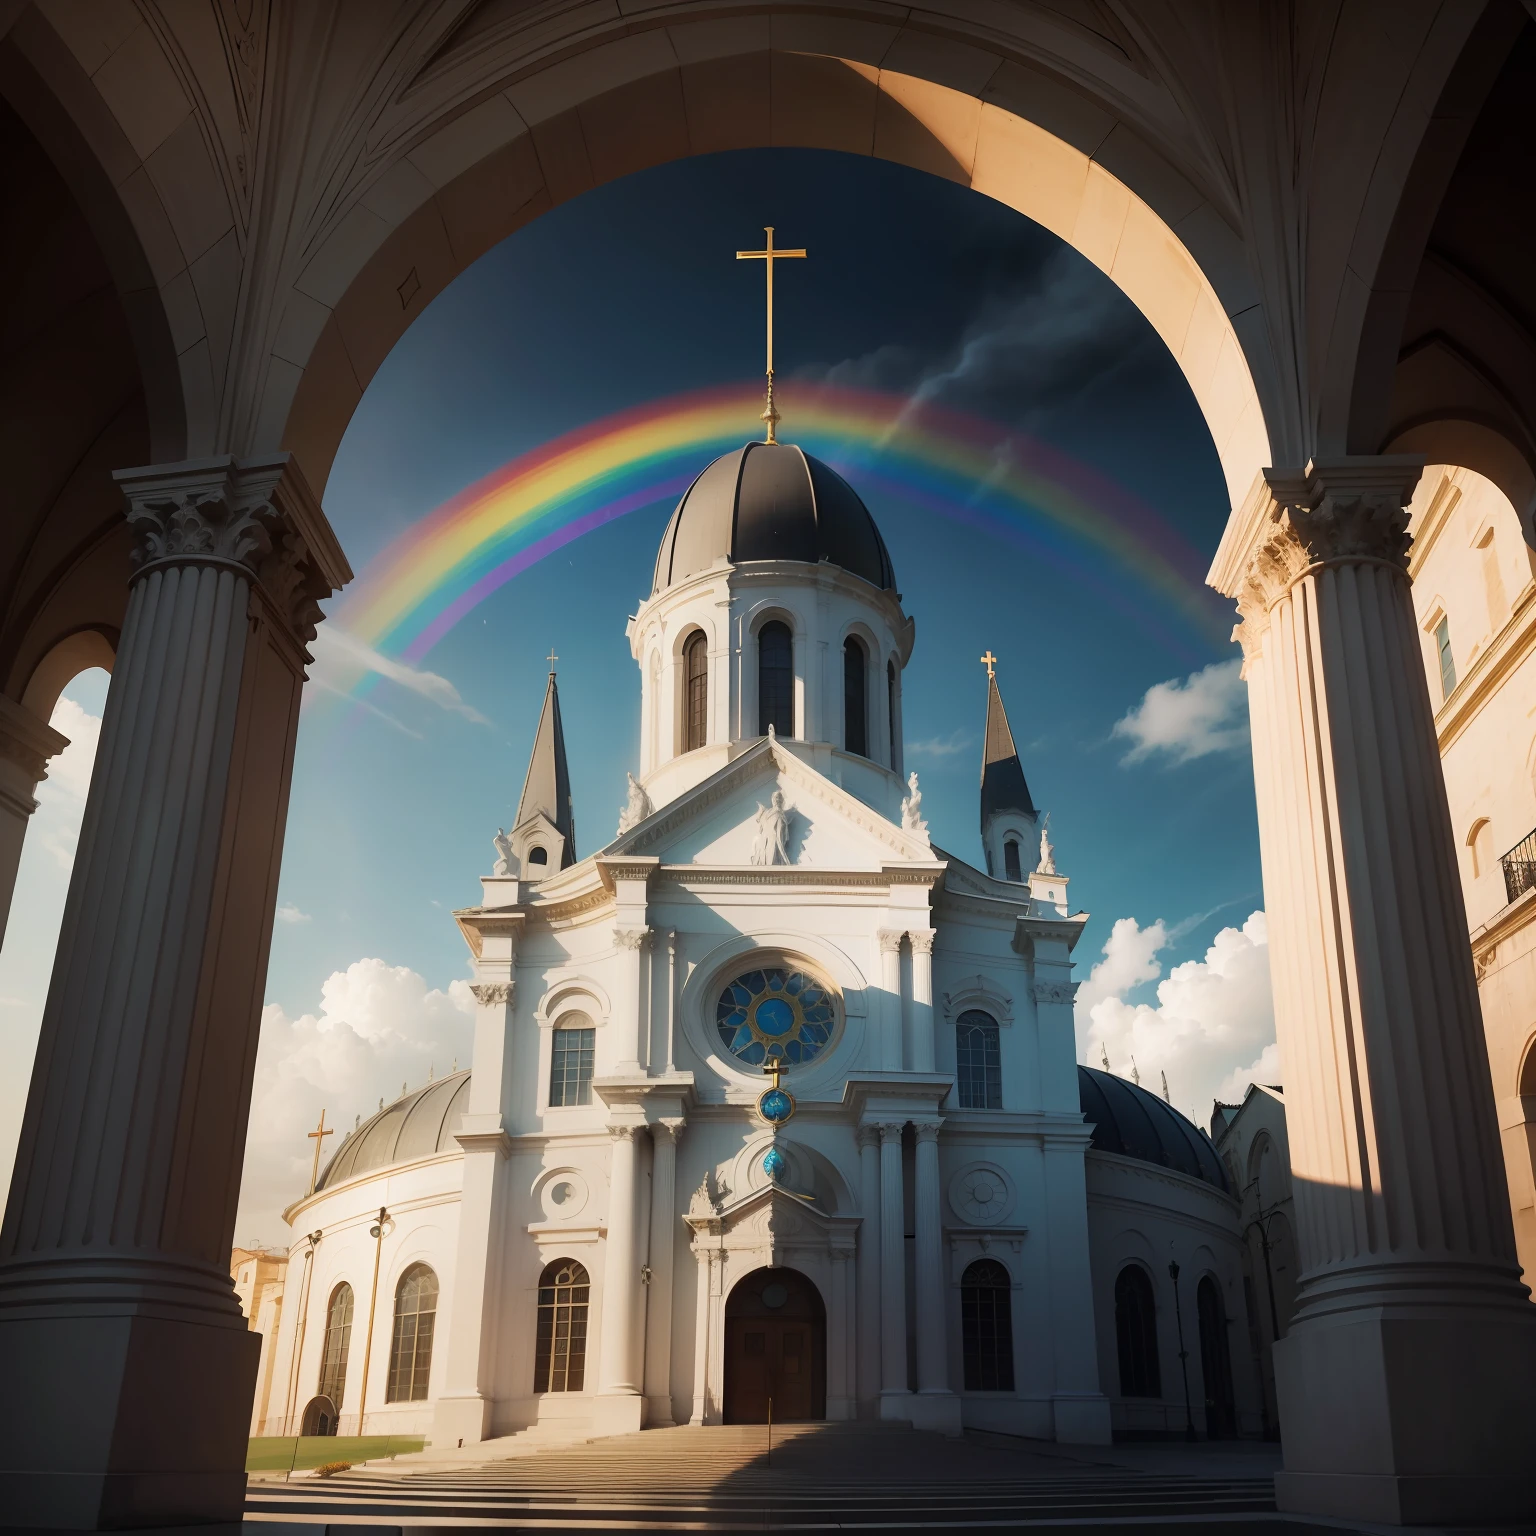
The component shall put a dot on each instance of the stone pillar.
(705, 1258)
(922, 1000)
(1412, 1339)
(629, 999)
(129, 1368)
(26, 744)
(868, 1388)
(462, 1414)
(842, 1351)
(894, 1396)
(936, 1406)
(890, 987)
(618, 1379)
(658, 1316)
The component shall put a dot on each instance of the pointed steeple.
(547, 789)
(1002, 774)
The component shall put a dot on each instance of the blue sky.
(631, 293)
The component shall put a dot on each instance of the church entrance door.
(775, 1348)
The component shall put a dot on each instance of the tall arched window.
(560, 1359)
(338, 1337)
(1136, 1333)
(775, 679)
(986, 1327)
(1011, 860)
(410, 1350)
(695, 691)
(855, 698)
(890, 711)
(571, 1056)
(1215, 1362)
(978, 1061)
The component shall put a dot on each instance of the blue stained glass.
(776, 1106)
(774, 1013)
(774, 1163)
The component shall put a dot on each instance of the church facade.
(774, 1105)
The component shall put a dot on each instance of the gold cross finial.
(551, 659)
(988, 660)
(768, 255)
(318, 1136)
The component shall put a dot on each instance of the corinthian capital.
(493, 994)
(631, 938)
(258, 515)
(922, 941)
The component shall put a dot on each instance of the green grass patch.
(272, 1453)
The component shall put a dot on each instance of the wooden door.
(770, 1357)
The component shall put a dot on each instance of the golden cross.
(318, 1136)
(987, 661)
(775, 1065)
(768, 256)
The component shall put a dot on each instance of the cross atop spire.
(551, 659)
(988, 661)
(768, 255)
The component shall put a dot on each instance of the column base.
(658, 1413)
(1081, 1419)
(896, 1406)
(157, 1414)
(1411, 1420)
(938, 1411)
(617, 1413)
(461, 1419)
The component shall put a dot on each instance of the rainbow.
(959, 468)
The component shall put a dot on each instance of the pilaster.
(665, 1135)
(894, 1394)
(115, 1246)
(868, 1376)
(1412, 1333)
(935, 1406)
(619, 1379)
(921, 940)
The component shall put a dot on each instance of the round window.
(774, 1013)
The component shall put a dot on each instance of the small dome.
(770, 501)
(418, 1125)
(1130, 1121)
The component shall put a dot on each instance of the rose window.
(774, 1014)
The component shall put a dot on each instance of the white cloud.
(1206, 712)
(1212, 1028)
(341, 657)
(377, 1026)
(941, 746)
(288, 913)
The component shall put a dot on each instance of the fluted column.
(1412, 1337)
(114, 1255)
(665, 1135)
(617, 1374)
(932, 1335)
(631, 944)
(893, 1272)
(922, 1000)
(890, 987)
(868, 1386)
(26, 744)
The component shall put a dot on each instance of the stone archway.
(320, 1417)
(775, 1349)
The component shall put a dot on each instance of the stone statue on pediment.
(771, 846)
(912, 809)
(506, 860)
(1047, 864)
(636, 808)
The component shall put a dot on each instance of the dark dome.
(770, 501)
(1134, 1123)
(417, 1125)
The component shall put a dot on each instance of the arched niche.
(470, 182)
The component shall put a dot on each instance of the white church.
(774, 1104)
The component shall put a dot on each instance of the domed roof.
(1134, 1123)
(771, 501)
(415, 1126)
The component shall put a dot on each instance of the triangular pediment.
(717, 822)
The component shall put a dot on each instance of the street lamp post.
(1189, 1416)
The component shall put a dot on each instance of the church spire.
(547, 789)
(1002, 774)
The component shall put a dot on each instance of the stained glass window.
(774, 1012)
(560, 1357)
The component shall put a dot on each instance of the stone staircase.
(849, 1476)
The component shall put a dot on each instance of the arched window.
(1215, 1362)
(538, 856)
(978, 1061)
(695, 691)
(1480, 841)
(890, 711)
(775, 679)
(410, 1350)
(570, 1061)
(1011, 860)
(1136, 1333)
(560, 1360)
(986, 1327)
(338, 1336)
(855, 700)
